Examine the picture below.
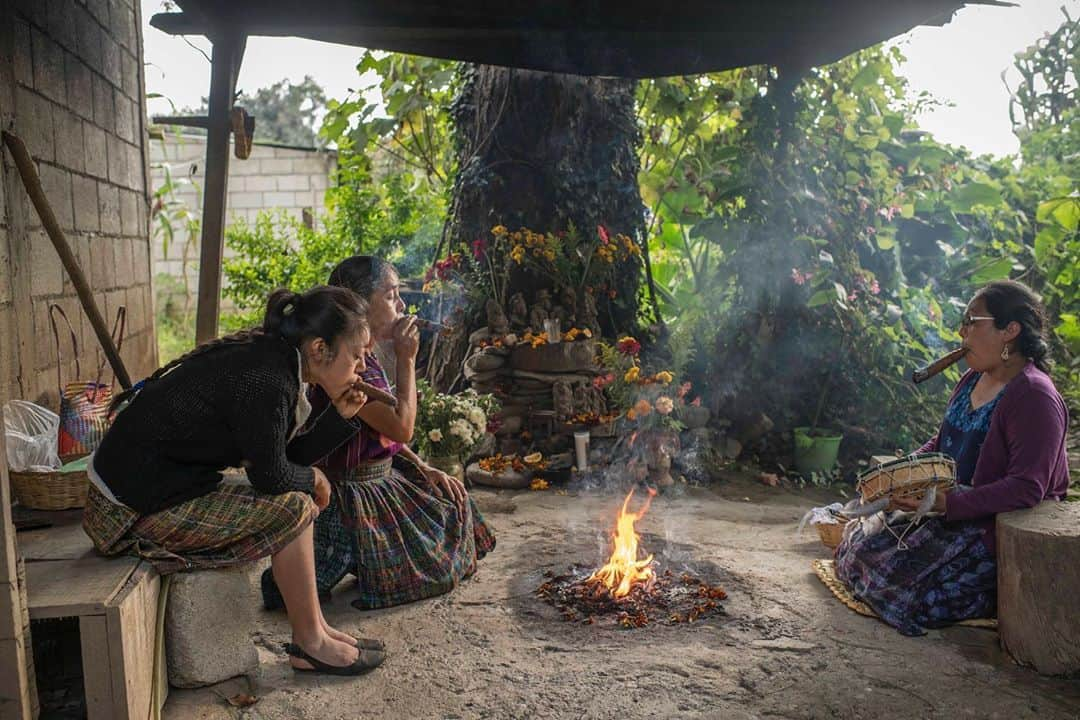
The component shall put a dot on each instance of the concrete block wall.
(72, 87)
(274, 177)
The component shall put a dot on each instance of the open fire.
(630, 588)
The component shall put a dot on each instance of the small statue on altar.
(519, 311)
(589, 315)
(562, 397)
(566, 310)
(540, 311)
(589, 400)
(496, 318)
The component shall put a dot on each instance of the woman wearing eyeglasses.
(1005, 427)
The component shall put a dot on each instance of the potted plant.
(816, 448)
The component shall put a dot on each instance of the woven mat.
(826, 571)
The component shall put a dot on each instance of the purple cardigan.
(1022, 460)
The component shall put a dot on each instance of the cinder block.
(245, 200)
(24, 59)
(320, 182)
(46, 272)
(110, 60)
(130, 69)
(136, 167)
(88, 39)
(239, 167)
(104, 110)
(48, 67)
(310, 165)
(100, 10)
(278, 199)
(118, 163)
(34, 124)
(101, 263)
(122, 253)
(206, 640)
(124, 118)
(56, 183)
(275, 166)
(129, 214)
(109, 206)
(68, 138)
(122, 18)
(260, 183)
(95, 156)
(61, 23)
(294, 182)
(85, 198)
(80, 87)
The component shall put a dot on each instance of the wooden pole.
(227, 55)
(32, 182)
(14, 680)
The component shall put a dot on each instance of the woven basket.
(831, 533)
(50, 490)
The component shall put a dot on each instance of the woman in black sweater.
(157, 488)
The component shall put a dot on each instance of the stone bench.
(1038, 556)
(208, 622)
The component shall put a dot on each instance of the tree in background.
(284, 113)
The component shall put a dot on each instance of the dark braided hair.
(360, 273)
(1011, 301)
(323, 312)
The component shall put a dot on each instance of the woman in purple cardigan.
(1005, 427)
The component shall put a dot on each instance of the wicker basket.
(50, 490)
(831, 533)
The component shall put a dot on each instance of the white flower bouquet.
(451, 425)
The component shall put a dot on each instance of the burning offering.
(630, 589)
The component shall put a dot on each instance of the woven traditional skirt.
(941, 573)
(232, 525)
(400, 540)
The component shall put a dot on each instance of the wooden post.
(14, 681)
(225, 66)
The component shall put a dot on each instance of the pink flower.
(697, 401)
(800, 278)
(683, 389)
(479, 246)
(874, 287)
(602, 232)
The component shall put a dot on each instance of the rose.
(664, 405)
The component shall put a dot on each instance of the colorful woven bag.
(84, 404)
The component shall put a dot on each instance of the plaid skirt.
(232, 525)
(402, 542)
(942, 573)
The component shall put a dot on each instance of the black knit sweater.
(234, 405)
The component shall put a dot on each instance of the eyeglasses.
(967, 319)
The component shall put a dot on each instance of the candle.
(581, 449)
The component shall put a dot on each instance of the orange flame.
(624, 569)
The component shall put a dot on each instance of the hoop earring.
(1004, 353)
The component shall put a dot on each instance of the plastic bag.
(32, 433)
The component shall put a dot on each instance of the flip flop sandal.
(367, 661)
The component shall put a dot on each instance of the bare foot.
(337, 634)
(327, 650)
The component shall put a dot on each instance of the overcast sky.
(961, 63)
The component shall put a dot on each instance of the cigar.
(425, 323)
(928, 371)
(375, 393)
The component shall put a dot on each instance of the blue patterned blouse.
(964, 430)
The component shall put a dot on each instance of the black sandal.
(367, 661)
(369, 643)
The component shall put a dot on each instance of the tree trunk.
(1038, 582)
(548, 152)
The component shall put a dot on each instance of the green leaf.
(885, 241)
(1063, 211)
(964, 197)
(821, 297)
(997, 270)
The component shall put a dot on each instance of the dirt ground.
(785, 648)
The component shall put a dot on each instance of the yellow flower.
(665, 377)
(538, 484)
(517, 254)
(549, 254)
(632, 374)
(498, 231)
(631, 415)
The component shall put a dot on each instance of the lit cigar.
(375, 393)
(431, 324)
(946, 361)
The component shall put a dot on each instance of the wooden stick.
(32, 183)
